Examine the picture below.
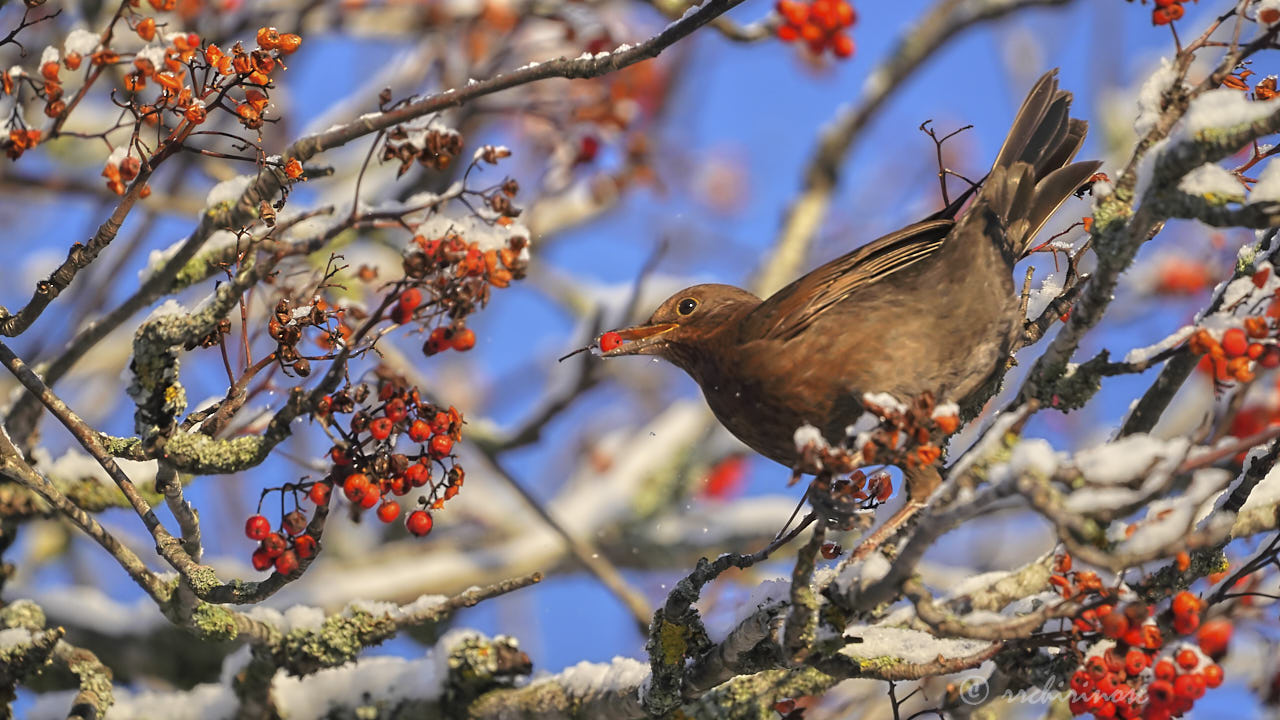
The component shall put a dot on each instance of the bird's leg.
(799, 505)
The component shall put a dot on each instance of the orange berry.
(1212, 675)
(464, 340)
(1214, 637)
(289, 43)
(1234, 342)
(1187, 659)
(146, 29)
(440, 446)
(268, 38)
(1165, 670)
(1183, 561)
(788, 33)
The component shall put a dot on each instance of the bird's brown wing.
(791, 309)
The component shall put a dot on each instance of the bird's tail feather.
(1033, 173)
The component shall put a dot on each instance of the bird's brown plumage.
(930, 307)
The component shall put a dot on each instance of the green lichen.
(338, 640)
(213, 622)
(673, 642)
(22, 614)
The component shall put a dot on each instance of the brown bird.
(929, 308)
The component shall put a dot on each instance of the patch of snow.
(1129, 458)
(80, 41)
(1213, 182)
(904, 644)
(229, 190)
(1151, 97)
(1267, 189)
(884, 400)
(50, 55)
(1141, 355)
(620, 674)
(807, 435)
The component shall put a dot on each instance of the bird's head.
(685, 322)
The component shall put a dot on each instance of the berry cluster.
(367, 466)
(910, 434)
(283, 548)
(1265, 89)
(1236, 352)
(456, 275)
(369, 469)
(1167, 11)
(845, 498)
(821, 24)
(286, 326)
(431, 147)
(1130, 671)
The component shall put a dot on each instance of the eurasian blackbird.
(929, 308)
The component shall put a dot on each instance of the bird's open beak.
(641, 339)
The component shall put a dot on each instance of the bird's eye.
(687, 306)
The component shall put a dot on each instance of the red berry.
(440, 446)
(441, 423)
(257, 527)
(380, 428)
(436, 342)
(1186, 624)
(340, 456)
(395, 410)
(401, 315)
(1184, 603)
(464, 340)
(1187, 659)
(830, 550)
(319, 493)
(609, 341)
(1115, 624)
(420, 431)
(1161, 693)
(355, 486)
(1234, 342)
(785, 706)
(388, 511)
(1165, 670)
(1184, 687)
(1270, 357)
(274, 544)
(1135, 661)
(1260, 277)
(261, 560)
(305, 546)
(411, 298)
(842, 45)
(418, 523)
(418, 474)
(371, 498)
(845, 14)
(1212, 675)
(786, 33)
(587, 149)
(1214, 637)
(287, 563)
